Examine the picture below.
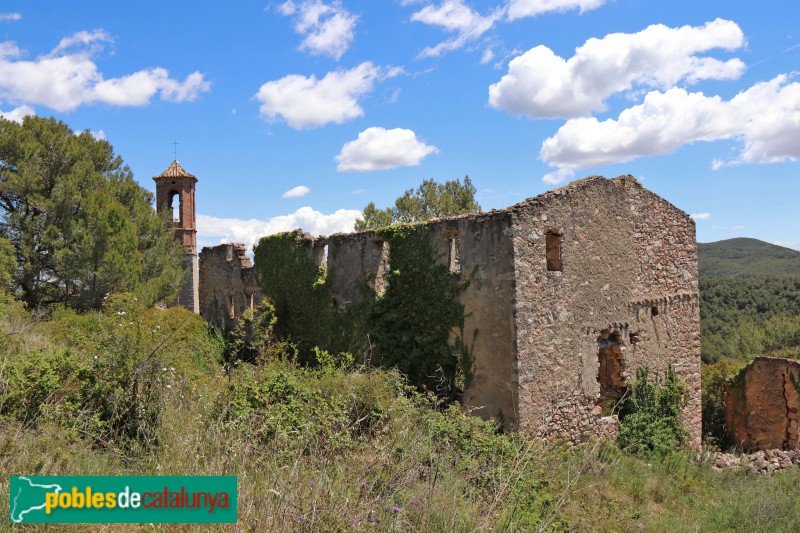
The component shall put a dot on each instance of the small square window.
(553, 251)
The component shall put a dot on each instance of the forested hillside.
(746, 258)
(749, 298)
(749, 306)
(744, 317)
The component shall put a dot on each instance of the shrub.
(714, 377)
(106, 377)
(650, 420)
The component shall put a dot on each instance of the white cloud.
(68, 77)
(296, 192)
(456, 17)
(701, 216)
(17, 114)
(765, 118)
(84, 38)
(530, 8)
(100, 135)
(219, 230)
(378, 149)
(308, 102)
(10, 17)
(327, 28)
(487, 56)
(540, 84)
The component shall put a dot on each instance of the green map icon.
(27, 498)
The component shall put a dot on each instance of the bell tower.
(175, 194)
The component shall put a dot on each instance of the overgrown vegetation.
(100, 375)
(331, 447)
(407, 328)
(107, 385)
(713, 378)
(80, 226)
(752, 308)
(412, 321)
(650, 420)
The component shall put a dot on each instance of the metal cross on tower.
(175, 150)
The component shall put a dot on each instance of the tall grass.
(341, 449)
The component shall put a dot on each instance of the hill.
(743, 257)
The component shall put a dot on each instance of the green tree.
(81, 227)
(8, 264)
(429, 200)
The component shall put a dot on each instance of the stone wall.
(762, 404)
(478, 249)
(626, 288)
(228, 284)
(189, 293)
(356, 264)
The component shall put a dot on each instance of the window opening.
(454, 247)
(553, 251)
(231, 308)
(175, 206)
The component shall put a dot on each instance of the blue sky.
(298, 113)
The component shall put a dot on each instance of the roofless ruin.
(565, 295)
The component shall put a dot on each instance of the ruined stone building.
(227, 284)
(569, 293)
(762, 405)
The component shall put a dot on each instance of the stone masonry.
(228, 284)
(762, 405)
(570, 292)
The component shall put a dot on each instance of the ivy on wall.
(411, 322)
(297, 288)
(409, 326)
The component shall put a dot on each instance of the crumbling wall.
(762, 404)
(567, 294)
(617, 262)
(228, 284)
(478, 249)
(356, 266)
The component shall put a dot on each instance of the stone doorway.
(611, 371)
